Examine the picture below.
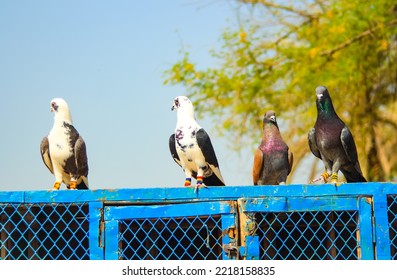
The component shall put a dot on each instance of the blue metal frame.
(315, 204)
(96, 230)
(105, 206)
(115, 213)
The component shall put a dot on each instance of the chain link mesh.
(392, 218)
(43, 231)
(186, 238)
(308, 235)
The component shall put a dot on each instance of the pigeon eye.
(176, 103)
(54, 106)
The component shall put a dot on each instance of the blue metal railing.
(351, 221)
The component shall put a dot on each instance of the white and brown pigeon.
(331, 141)
(272, 159)
(64, 151)
(191, 147)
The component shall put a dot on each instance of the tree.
(281, 52)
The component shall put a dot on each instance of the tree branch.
(355, 39)
(292, 31)
(280, 7)
(388, 121)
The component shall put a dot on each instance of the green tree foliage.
(282, 51)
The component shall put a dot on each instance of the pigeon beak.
(175, 105)
(273, 118)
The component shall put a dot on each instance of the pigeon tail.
(353, 176)
(213, 180)
(82, 186)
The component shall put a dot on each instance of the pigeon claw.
(56, 186)
(199, 185)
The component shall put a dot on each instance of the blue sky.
(107, 60)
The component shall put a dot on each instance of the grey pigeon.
(273, 159)
(331, 141)
(191, 147)
(64, 151)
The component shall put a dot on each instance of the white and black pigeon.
(191, 147)
(331, 141)
(64, 151)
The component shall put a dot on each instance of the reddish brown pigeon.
(273, 159)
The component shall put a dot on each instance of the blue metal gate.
(308, 228)
(351, 221)
(203, 230)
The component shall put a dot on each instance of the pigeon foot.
(56, 186)
(199, 183)
(334, 179)
(322, 177)
(73, 185)
(325, 176)
(188, 182)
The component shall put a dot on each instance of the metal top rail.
(349, 221)
(175, 194)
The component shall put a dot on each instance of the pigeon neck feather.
(325, 108)
(270, 130)
(63, 116)
(185, 115)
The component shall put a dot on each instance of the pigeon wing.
(258, 166)
(80, 153)
(45, 154)
(205, 145)
(311, 137)
(173, 152)
(348, 144)
(290, 160)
